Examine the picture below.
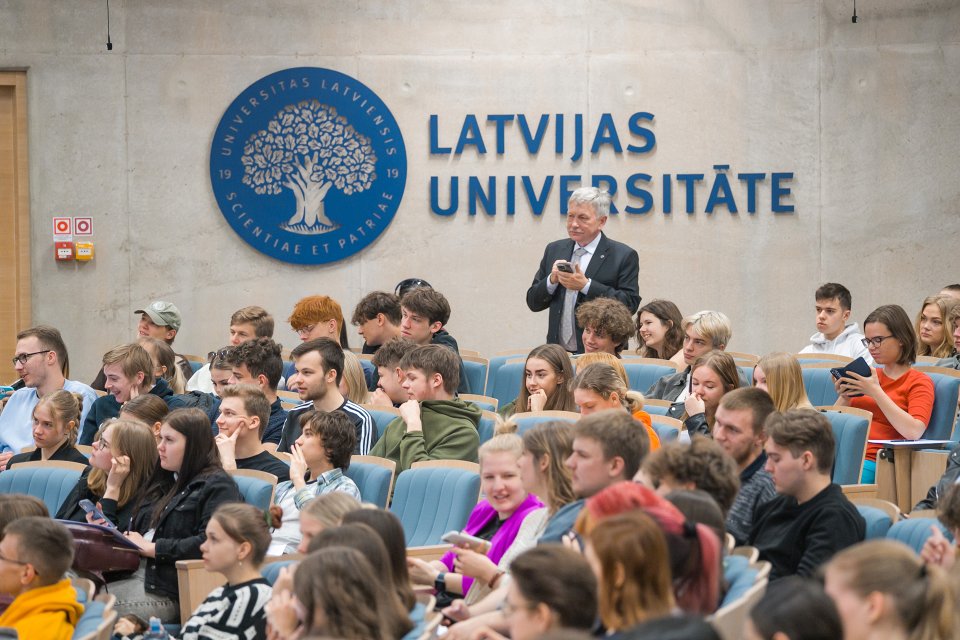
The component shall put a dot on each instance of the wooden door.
(14, 217)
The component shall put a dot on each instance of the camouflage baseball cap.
(164, 314)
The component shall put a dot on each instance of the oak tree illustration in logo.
(308, 148)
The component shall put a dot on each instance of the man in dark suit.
(585, 266)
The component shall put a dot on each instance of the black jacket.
(614, 272)
(182, 527)
(70, 509)
(108, 407)
(66, 453)
(947, 480)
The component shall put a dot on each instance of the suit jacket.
(614, 272)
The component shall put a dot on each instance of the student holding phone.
(123, 458)
(899, 397)
(496, 520)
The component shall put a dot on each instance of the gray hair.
(596, 198)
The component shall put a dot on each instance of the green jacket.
(449, 433)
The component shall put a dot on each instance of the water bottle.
(156, 631)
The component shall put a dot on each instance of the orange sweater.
(912, 392)
(644, 417)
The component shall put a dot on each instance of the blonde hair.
(604, 379)
(923, 601)
(948, 305)
(354, 378)
(136, 440)
(65, 408)
(784, 381)
(710, 324)
(502, 443)
(330, 508)
(163, 356)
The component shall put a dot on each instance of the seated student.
(607, 325)
(319, 366)
(14, 506)
(221, 373)
(938, 549)
(433, 423)
(552, 589)
(353, 382)
(164, 363)
(162, 321)
(148, 409)
(259, 362)
(547, 380)
(390, 377)
(599, 387)
(899, 397)
(699, 507)
(700, 464)
(693, 549)
(236, 542)
(953, 326)
(496, 519)
(951, 290)
(326, 512)
(835, 334)
(794, 608)
(129, 373)
(40, 360)
(607, 449)
(712, 376)
(424, 313)
(883, 590)
(388, 528)
(738, 429)
(333, 608)
(319, 317)
(123, 458)
(323, 449)
(172, 512)
(244, 411)
(55, 420)
(779, 374)
(704, 331)
(36, 554)
(811, 519)
(933, 337)
(659, 330)
(245, 324)
(377, 319)
(629, 556)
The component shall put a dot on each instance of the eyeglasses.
(305, 331)
(20, 562)
(102, 443)
(876, 342)
(23, 357)
(410, 283)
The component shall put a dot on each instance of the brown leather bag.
(100, 553)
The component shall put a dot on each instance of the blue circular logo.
(308, 165)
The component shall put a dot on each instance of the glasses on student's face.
(102, 444)
(875, 342)
(305, 331)
(19, 562)
(22, 358)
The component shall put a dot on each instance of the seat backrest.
(488, 422)
(255, 491)
(486, 403)
(50, 484)
(850, 433)
(495, 363)
(505, 382)
(86, 627)
(528, 420)
(667, 428)
(915, 531)
(946, 388)
(382, 416)
(476, 370)
(878, 522)
(746, 370)
(642, 375)
(373, 481)
(271, 570)
(730, 619)
(431, 501)
(818, 383)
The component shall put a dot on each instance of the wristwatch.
(440, 584)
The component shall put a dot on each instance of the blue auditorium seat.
(431, 501)
(51, 484)
(850, 432)
(373, 480)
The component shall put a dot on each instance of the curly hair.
(702, 463)
(337, 435)
(260, 356)
(608, 317)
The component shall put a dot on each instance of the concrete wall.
(866, 116)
